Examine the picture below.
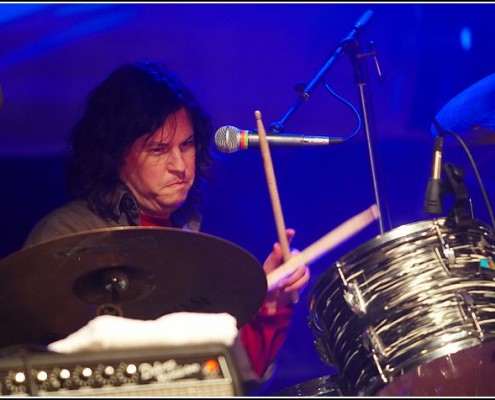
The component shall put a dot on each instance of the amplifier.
(207, 370)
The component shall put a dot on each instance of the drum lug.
(440, 260)
(354, 297)
(339, 267)
(374, 345)
(448, 251)
(469, 312)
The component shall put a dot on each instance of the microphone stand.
(350, 45)
(304, 94)
(353, 49)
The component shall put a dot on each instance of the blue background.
(242, 57)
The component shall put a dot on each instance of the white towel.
(107, 332)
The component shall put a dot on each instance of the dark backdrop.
(239, 58)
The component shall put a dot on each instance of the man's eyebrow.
(155, 142)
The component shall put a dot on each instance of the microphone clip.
(460, 214)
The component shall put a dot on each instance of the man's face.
(160, 171)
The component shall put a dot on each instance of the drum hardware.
(110, 287)
(373, 344)
(354, 298)
(459, 213)
(446, 249)
(470, 312)
(338, 267)
(353, 295)
(440, 260)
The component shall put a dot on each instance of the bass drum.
(411, 312)
(324, 386)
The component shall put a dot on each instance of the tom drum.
(411, 312)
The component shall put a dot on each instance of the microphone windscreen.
(227, 139)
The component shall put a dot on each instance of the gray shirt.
(76, 216)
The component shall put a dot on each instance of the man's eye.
(158, 149)
(187, 144)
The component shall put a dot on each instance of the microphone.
(433, 196)
(230, 139)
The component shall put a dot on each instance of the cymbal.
(472, 111)
(52, 289)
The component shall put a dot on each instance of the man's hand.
(282, 295)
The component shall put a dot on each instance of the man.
(139, 156)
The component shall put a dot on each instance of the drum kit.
(409, 313)
(412, 311)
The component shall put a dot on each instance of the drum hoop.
(399, 232)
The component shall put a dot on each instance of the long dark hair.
(132, 101)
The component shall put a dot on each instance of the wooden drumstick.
(332, 239)
(274, 196)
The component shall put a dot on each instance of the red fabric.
(147, 220)
(263, 337)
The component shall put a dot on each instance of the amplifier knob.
(105, 375)
(41, 378)
(64, 374)
(131, 370)
(15, 382)
(83, 376)
(19, 378)
(60, 378)
(108, 371)
(127, 373)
